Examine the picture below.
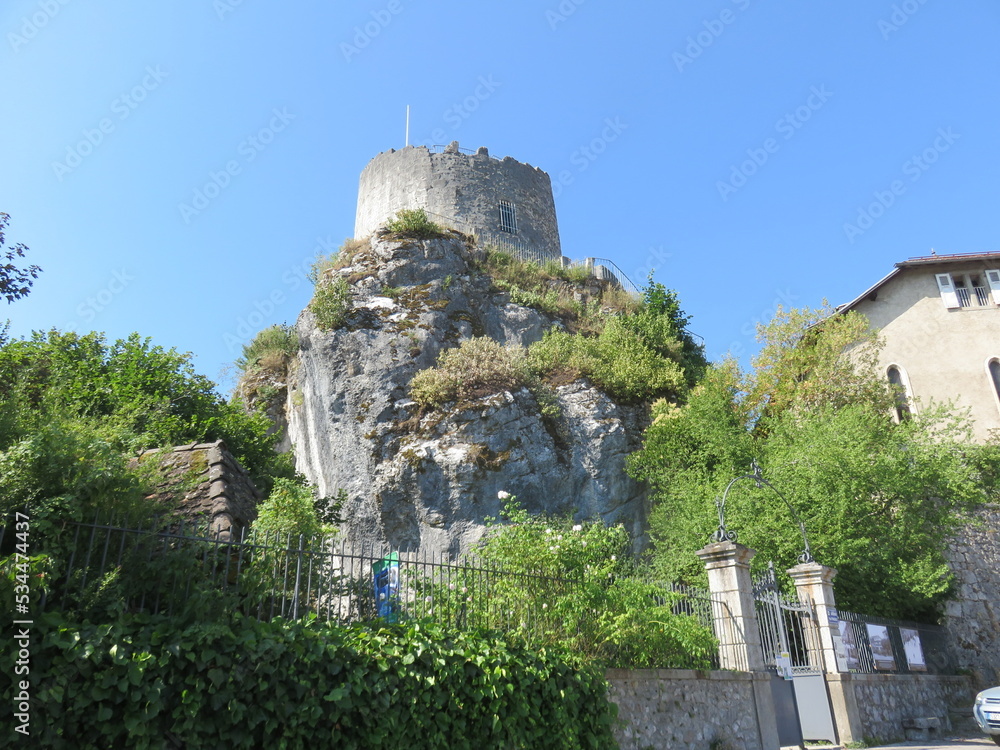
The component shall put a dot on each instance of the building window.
(902, 407)
(508, 217)
(969, 289)
(994, 368)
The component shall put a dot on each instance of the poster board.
(852, 656)
(386, 580)
(878, 638)
(913, 649)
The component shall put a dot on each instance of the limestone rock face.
(429, 481)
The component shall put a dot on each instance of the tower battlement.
(504, 201)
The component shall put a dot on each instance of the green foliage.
(619, 360)
(478, 367)
(663, 327)
(290, 510)
(583, 593)
(270, 349)
(331, 303)
(70, 399)
(240, 683)
(878, 499)
(412, 222)
(15, 282)
(552, 288)
(68, 470)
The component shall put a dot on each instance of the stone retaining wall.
(685, 709)
(885, 701)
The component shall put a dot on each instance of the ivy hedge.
(156, 682)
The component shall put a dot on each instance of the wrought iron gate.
(790, 641)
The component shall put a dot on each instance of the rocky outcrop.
(430, 481)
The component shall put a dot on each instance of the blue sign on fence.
(386, 575)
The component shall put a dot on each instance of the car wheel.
(995, 738)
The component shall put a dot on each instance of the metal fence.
(877, 644)
(163, 568)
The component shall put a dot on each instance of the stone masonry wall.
(684, 709)
(886, 700)
(973, 616)
(459, 186)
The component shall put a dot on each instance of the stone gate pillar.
(814, 585)
(728, 566)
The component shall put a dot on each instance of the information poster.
(878, 637)
(839, 650)
(851, 654)
(913, 649)
(386, 575)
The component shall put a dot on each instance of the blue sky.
(752, 153)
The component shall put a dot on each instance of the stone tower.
(503, 201)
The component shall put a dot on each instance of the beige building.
(940, 318)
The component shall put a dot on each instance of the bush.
(289, 509)
(240, 683)
(270, 349)
(413, 222)
(617, 361)
(478, 367)
(583, 592)
(331, 303)
(340, 259)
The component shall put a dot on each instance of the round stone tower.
(504, 202)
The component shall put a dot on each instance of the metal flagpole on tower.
(407, 124)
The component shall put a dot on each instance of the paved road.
(977, 743)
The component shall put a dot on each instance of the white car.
(987, 712)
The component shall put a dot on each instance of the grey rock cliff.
(430, 481)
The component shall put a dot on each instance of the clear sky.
(174, 167)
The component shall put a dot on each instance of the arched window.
(899, 386)
(994, 368)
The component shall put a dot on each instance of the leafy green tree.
(878, 498)
(133, 395)
(15, 282)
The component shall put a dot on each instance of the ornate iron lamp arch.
(722, 534)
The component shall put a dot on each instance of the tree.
(14, 282)
(878, 498)
(130, 395)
